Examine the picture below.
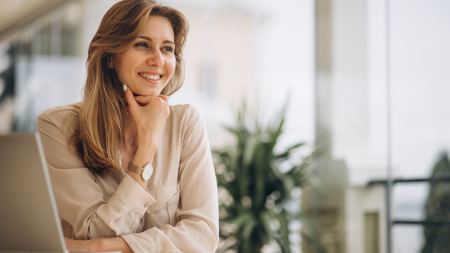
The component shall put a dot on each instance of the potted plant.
(256, 184)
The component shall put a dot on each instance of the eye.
(141, 44)
(168, 49)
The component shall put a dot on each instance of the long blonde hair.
(99, 133)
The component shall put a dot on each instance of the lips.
(150, 76)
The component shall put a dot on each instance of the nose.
(155, 58)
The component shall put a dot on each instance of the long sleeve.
(81, 199)
(177, 213)
(196, 229)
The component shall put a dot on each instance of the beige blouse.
(178, 212)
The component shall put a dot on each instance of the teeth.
(151, 77)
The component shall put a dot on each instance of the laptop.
(29, 220)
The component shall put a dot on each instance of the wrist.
(145, 134)
(138, 179)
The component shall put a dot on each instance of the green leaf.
(258, 190)
(289, 150)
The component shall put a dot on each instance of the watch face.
(147, 172)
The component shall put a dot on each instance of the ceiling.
(19, 13)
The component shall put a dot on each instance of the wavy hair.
(101, 116)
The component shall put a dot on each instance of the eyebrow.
(149, 39)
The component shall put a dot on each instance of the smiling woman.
(131, 172)
(149, 62)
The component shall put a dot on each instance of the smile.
(153, 77)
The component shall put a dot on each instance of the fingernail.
(125, 87)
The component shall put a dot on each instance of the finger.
(69, 243)
(144, 100)
(163, 102)
(166, 98)
(132, 104)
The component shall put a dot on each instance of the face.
(148, 64)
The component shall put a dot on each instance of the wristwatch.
(145, 172)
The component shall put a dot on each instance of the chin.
(147, 91)
(151, 93)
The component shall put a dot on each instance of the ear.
(110, 62)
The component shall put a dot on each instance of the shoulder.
(185, 116)
(188, 121)
(63, 119)
(184, 112)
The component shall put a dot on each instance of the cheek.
(125, 64)
(121, 68)
(170, 66)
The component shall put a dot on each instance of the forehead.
(157, 28)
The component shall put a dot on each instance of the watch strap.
(135, 169)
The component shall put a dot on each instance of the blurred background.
(367, 84)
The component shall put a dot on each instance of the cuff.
(131, 193)
(129, 196)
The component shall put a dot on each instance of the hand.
(148, 112)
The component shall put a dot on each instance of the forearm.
(99, 245)
(144, 154)
(146, 148)
(119, 215)
(188, 235)
(114, 244)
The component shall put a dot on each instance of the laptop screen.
(28, 214)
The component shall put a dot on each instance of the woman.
(130, 172)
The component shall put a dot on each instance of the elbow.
(92, 227)
(203, 234)
(212, 235)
